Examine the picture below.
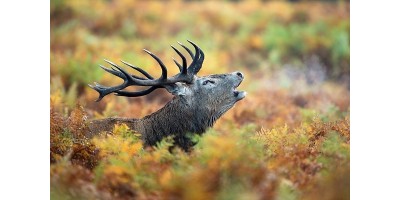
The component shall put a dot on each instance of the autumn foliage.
(288, 139)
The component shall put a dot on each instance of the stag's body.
(176, 119)
(197, 104)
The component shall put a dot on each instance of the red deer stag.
(198, 101)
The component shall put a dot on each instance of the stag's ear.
(177, 89)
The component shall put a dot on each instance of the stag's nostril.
(239, 74)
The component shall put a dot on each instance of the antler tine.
(187, 49)
(103, 91)
(112, 71)
(177, 64)
(139, 70)
(198, 59)
(123, 74)
(184, 64)
(115, 72)
(137, 94)
(163, 68)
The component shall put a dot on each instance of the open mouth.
(238, 94)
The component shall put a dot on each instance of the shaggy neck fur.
(176, 118)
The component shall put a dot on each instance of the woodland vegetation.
(288, 139)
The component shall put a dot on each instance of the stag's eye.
(208, 81)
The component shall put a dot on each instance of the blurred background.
(295, 56)
(296, 50)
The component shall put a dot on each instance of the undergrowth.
(243, 163)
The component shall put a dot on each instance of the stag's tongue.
(239, 95)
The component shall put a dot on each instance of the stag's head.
(216, 93)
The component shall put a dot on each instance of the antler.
(186, 74)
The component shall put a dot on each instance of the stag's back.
(107, 125)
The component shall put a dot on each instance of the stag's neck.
(176, 118)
